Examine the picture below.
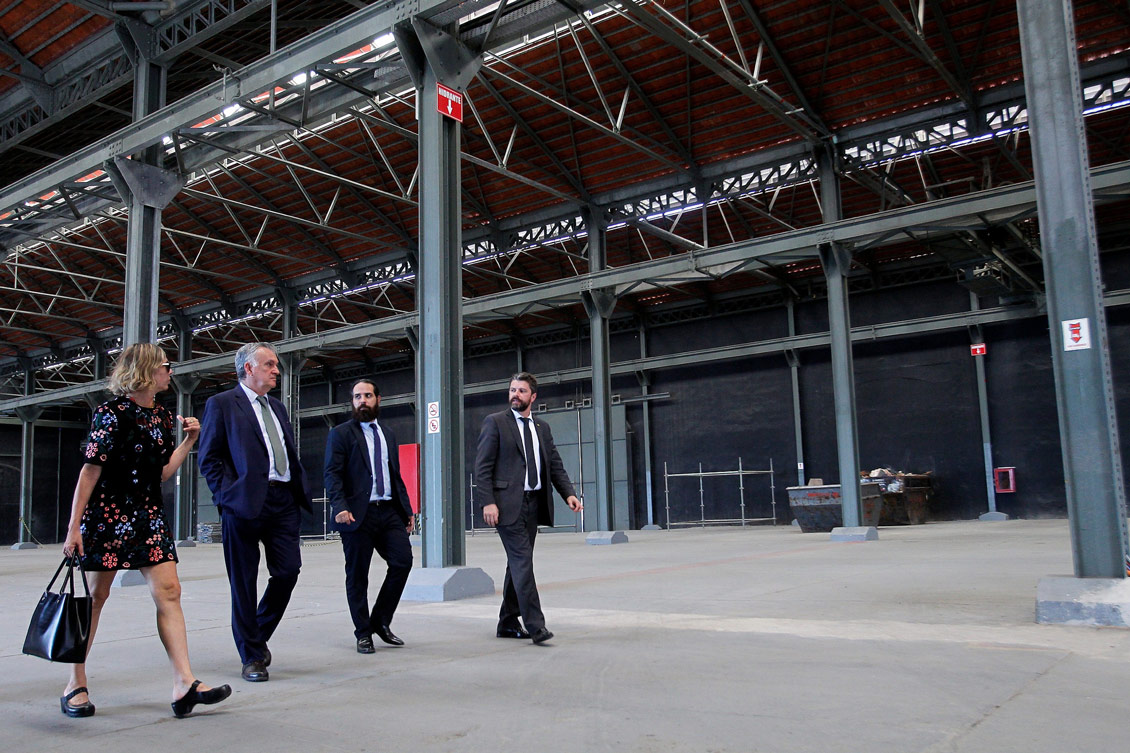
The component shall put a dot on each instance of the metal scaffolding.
(740, 473)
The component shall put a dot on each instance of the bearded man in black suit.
(515, 465)
(372, 511)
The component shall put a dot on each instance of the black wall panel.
(916, 398)
(1023, 420)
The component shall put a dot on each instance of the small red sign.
(449, 102)
(977, 349)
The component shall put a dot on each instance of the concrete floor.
(726, 639)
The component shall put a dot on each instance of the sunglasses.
(168, 366)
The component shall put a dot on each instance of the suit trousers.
(384, 531)
(276, 528)
(519, 589)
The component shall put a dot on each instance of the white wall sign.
(1076, 334)
(433, 418)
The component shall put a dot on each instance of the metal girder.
(676, 33)
(914, 32)
(772, 346)
(540, 95)
(657, 117)
(102, 66)
(782, 64)
(939, 216)
(322, 45)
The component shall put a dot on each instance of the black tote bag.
(60, 626)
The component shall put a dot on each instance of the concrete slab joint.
(1065, 600)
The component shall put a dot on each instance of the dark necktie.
(378, 466)
(531, 460)
(278, 449)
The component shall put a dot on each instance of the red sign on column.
(977, 349)
(449, 102)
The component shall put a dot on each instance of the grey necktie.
(378, 466)
(278, 449)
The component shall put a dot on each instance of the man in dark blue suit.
(372, 511)
(248, 456)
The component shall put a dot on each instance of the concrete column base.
(186, 543)
(447, 584)
(1066, 600)
(993, 516)
(25, 545)
(854, 533)
(651, 527)
(601, 538)
(129, 578)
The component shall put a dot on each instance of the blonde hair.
(134, 369)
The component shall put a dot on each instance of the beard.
(365, 414)
(519, 405)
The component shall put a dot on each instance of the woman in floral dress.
(117, 514)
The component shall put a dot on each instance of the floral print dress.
(123, 525)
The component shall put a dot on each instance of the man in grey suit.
(515, 465)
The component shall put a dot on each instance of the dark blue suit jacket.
(233, 454)
(349, 473)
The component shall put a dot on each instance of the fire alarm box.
(1004, 479)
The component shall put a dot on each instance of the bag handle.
(68, 584)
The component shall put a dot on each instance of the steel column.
(644, 378)
(439, 361)
(794, 373)
(145, 189)
(836, 261)
(290, 363)
(977, 337)
(599, 305)
(185, 499)
(1096, 498)
(28, 416)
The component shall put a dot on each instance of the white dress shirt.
(258, 410)
(537, 447)
(367, 428)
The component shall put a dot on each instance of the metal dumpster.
(820, 508)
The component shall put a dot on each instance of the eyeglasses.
(168, 366)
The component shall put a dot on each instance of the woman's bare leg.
(100, 582)
(164, 585)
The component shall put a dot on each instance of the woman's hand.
(191, 426)
(73, 543)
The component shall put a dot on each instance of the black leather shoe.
(511, 632)
(77, 711)
(182, 707)
(542, 635)
(365, 645)
(255, 671)
(387, 636)
(266, 656)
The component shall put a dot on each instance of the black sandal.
(79, 711)
(182, 707)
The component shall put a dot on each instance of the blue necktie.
(378, 466)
